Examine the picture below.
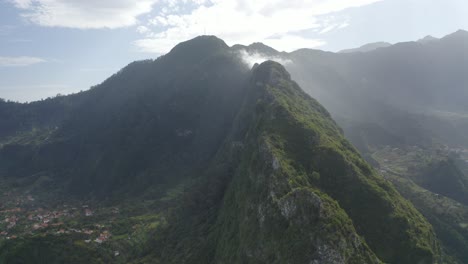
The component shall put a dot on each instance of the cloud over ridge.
(276, 23)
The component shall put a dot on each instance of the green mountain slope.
(448, 217)
(435, 185)
(298, 193)
(213, 163)
(151, 123)
(399, 105)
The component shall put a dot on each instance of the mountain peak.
(199, 47)
(203, 39)
(457, 35)
(427, 39)
(262, 48)
(368, 47)
(270, 72)
(461, 32)
(257, 47)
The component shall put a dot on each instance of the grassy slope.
(287, 188)
(410, 170)
(395, 231)
(298, 192)
(270, 212)
(448, 217)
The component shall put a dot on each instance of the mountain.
(409, 97)
(447, 216)
(136, 124)
(257, 47)
(289, 145)
(403, 108)
(428, 39)
(367, 47)
(445, 178)
(16, 118)
(196, 158)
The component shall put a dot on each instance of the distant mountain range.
(378, 45)
(368, 47)
(422, 84)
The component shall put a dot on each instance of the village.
(103, 227)
(407, 160)
(22, 215)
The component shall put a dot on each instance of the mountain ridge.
(265, 161)
(367, 47)
(269, 175)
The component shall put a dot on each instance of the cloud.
(84, 14)
(168, 22)
(290, 42)
(241, 21)
(331, 23)
(250, 59)
(19, 61)
(143, 29)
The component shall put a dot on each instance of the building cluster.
(23, 216)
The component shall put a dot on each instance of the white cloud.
(19, 61)
(242, 21)
(293, 42)
(251, 58)
(143, 29)
(332, 23)
(84, 14)
(174, 21)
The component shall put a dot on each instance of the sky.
(50, 47)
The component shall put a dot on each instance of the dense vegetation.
(213, 162)
(282, 201)
(443, 203)
(403, 106)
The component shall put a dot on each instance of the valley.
(410, 169)
(109, 233)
